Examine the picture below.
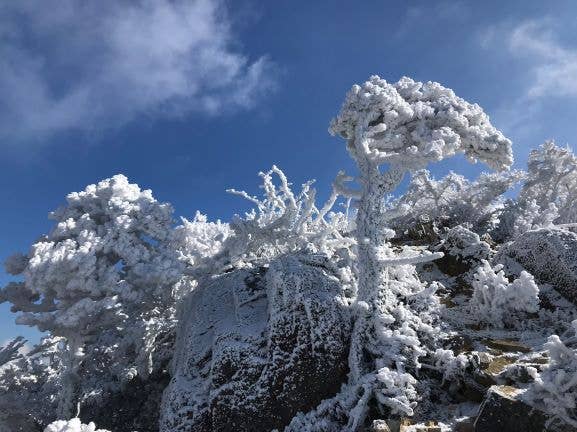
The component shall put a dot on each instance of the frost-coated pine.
(404, 126)
(107, 259)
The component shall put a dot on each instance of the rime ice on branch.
(404, 126)
(285, 222)
(11, 350)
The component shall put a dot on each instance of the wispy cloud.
(550, 68)
(93, 65)
(432, 13)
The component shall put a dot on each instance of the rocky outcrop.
(504, 410)
(550, 255)
(255, 347)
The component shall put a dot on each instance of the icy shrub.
(547, 196)
(555, 389)
(450, 365)
(29, 384)
(532, 217)
(74, 425)
(498, 302)
(518, 217)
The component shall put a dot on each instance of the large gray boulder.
(255, 347)
(550, 255)
(504, 410)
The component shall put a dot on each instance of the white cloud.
(547, 70)
(552, 67)
(92, 65)
(416, 17)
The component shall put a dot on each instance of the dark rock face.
(551, 256)
(503, 410)
(18, 423)
(135, 408)
(257, 346)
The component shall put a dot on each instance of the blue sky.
(190, 98)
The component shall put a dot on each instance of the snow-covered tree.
(197, 239)
(552, 179)
(547, 196)
(11, 350)
(453, 200)
(404, 126)
(106, 273)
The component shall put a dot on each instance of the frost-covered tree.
(452, 200)
(11, 350)
(103, 279)
(198, 239)
(547, 196)
(552, 179)
(392, 129)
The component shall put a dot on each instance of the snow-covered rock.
(463, 250)
(504, 410)
(256, 347)
(550, 255)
